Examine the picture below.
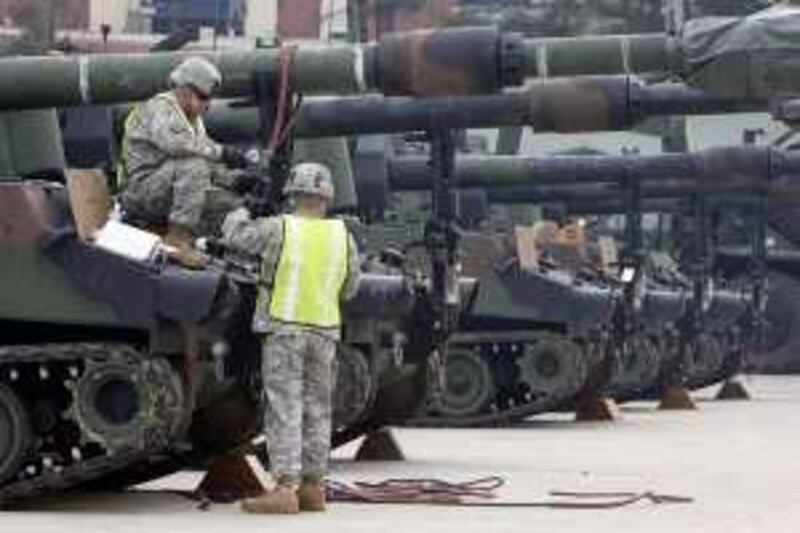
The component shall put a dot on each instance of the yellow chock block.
(233, 477)
(676, 399)
(596, 409)
(733, 390)
(380, 446)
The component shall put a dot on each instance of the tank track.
(513, 400)
(724, 366)
(63, 454)
(508, 411)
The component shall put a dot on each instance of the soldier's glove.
(211, 246)
(259, 206)
(246, 182)
(233, 157)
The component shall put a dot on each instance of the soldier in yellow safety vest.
(309, 265)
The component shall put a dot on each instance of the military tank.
(128, 363)
(709, 354)
(647, 56)
(118, 366)
(639, 365)
(619, 102)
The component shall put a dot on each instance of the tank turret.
(717, 169)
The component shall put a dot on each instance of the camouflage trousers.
(298, 380)
(180, 192)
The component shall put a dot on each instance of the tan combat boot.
(280, 500)
(181, 240)
(311, 494)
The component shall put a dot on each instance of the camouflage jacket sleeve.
(261, 237)
(353, 269)
(161, 123)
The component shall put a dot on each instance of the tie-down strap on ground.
(481, 493)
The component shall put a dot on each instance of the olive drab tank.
(706, 54)
(117, 366)
(549, 105)
(543, 309)
(194, 324)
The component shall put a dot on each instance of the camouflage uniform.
(298, 361)
(173, 170)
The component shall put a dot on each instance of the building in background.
(226, 16)
(364, 19)
(261, 18)
(299, 19)
(70, 14)
(329, 19)
(121, 16)
(383, 16)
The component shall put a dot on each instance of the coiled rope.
(481, 493)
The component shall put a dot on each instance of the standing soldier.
(309, 264)
(171, 170)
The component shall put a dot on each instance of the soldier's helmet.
(198, 73)
(312, 179)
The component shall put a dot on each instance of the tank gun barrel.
(753, 56)
(568, 105)
(421, 63)
(717, 169)
(749, 57)
(554, 57)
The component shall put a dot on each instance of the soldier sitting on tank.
(175, 179)
(308, 265)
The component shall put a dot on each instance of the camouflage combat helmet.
(311, 178)
(197, 73)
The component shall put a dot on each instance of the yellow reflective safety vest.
(311, 272)
(122, 169)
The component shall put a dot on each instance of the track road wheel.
(782, 354)
(354, 387)
(15, 433)
(469, 386)
(553, 366)
(639, 367)
(707, 360)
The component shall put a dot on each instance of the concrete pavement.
(739, 460)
